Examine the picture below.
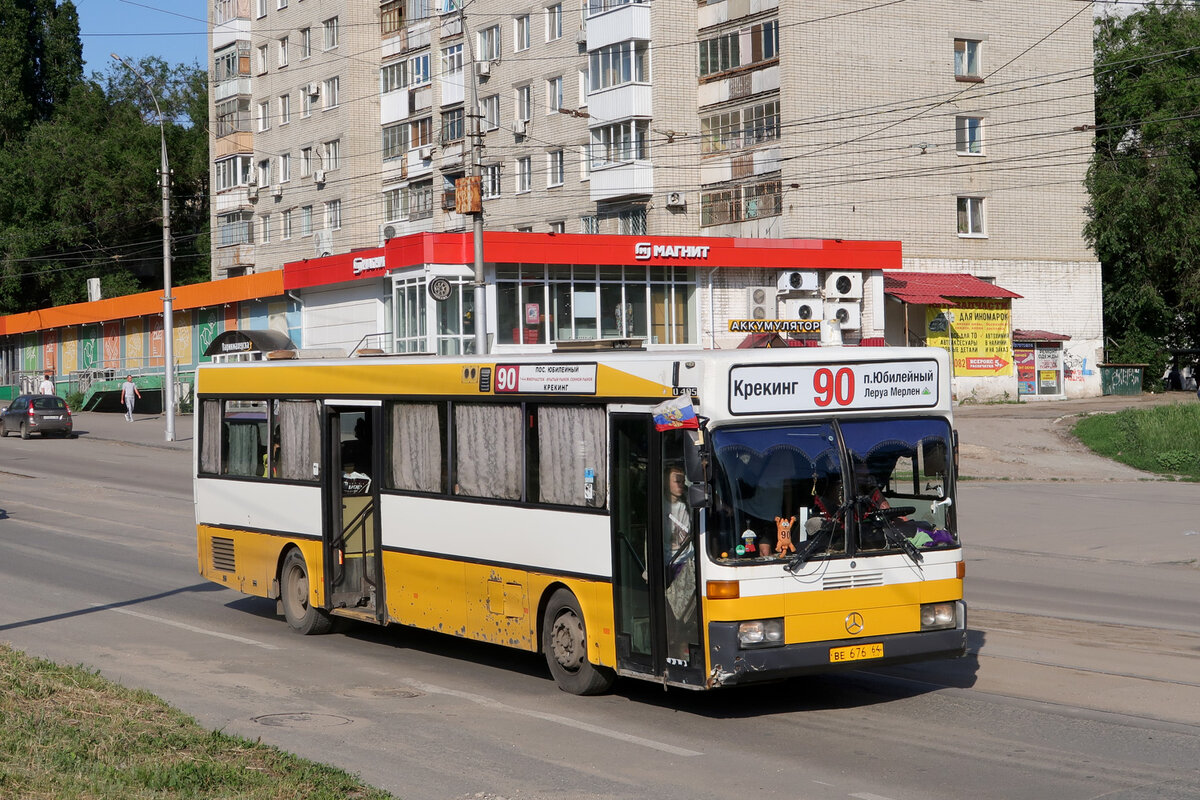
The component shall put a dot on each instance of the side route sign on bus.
(795, 388)
(545, 379)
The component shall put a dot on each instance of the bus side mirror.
(698, 496)
(694, 467)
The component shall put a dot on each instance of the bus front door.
(654, 554)
(353, 575)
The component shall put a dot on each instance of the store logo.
(644, 251)
(367, 264)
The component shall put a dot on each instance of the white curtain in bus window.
(245, 438)
(416, 447)
(487, 458)
(299, 439)
(571, 455)
(210, 445)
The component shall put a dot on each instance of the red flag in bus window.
(675, 414)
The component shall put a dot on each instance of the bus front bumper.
(733, 665)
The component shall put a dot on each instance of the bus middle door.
(352, 553)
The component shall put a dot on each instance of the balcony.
(631, 179)
(621, 102)
(631, 21)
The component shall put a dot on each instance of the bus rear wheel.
(294, 594)
(564, 642)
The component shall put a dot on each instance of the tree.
(1144, 180)
(41, 59)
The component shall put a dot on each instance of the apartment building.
(958, 128)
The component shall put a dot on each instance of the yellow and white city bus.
(533, 501)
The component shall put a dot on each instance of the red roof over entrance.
(936, 288)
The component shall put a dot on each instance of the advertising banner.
(977, 333)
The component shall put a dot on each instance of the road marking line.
(192, 628)
(561, 720)
(869, 796)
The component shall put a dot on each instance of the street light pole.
(168, 316)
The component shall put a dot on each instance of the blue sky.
(174, 30)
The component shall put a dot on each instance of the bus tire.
(564, 642)
(303, 617)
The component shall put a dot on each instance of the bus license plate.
(855, 652)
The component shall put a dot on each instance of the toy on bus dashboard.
(783, 535)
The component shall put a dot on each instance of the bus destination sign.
(545, 379)
(797, 388)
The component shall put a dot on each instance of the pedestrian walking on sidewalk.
(47, 385)
(129, 391)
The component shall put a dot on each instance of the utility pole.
(475, 189)
(168, 317)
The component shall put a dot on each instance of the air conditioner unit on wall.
(323, 242)
(676, 200)
(804, 308)
(843, 286)
(277, 192)
(386, 231)
(797, 281)
(519, 127)
(849, 314)
(483, 68)
(425, 153)
(313, 89)
(319, 176)
(760, 302)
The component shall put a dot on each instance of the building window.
(330, 28)
(333, 154)
(306, 164)
(281, 4)
(554, 22)
(333, 214)
(233, 115)
(741, 203)
(452, 125)
(589, 224)
(285, 225)
(554, 171)
(283, 52)
(588, 302)
(558, 227)
(521, 33)
(264, 116)
(393, 205)
(966, 59)
(262, 59)
(391, 17)
(260, 8)
(331, 92)
(235, 228)
(420, 133)
(489, 44)
(417, 9)
(620, 143)
(452, 60)
(285, 167)
(620, 63)
(489, 109)
(554, 100)
(393, 77)
(523, 103)
(723, 52)
(309, 102)
(737, 128)
(490, 182)
(970, 216)
(632, 222)
(264, 223)
(395, 140)
(420, 200)
(285, 109)
(232, 172)
(968, 135)
(418, 70)
(306, 221)
(305, 42)
(524, 174)
(264, 172)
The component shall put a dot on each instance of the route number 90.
(831, 386)
(506, 379)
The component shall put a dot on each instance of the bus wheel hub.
(567, 640)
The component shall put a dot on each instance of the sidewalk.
(148, 430)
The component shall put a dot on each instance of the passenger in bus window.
(679, 557)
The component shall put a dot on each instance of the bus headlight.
(761, 633)
(936, 616)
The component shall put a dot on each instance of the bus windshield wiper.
(894, 537)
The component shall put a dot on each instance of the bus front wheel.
(300, 614)
(564, 641)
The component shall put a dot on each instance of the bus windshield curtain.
(210, 447)
(299, 440)
(571, 440)
(416, 447)
(488, 455)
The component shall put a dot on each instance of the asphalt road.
(1082, 680)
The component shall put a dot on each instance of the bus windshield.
(846, 488)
